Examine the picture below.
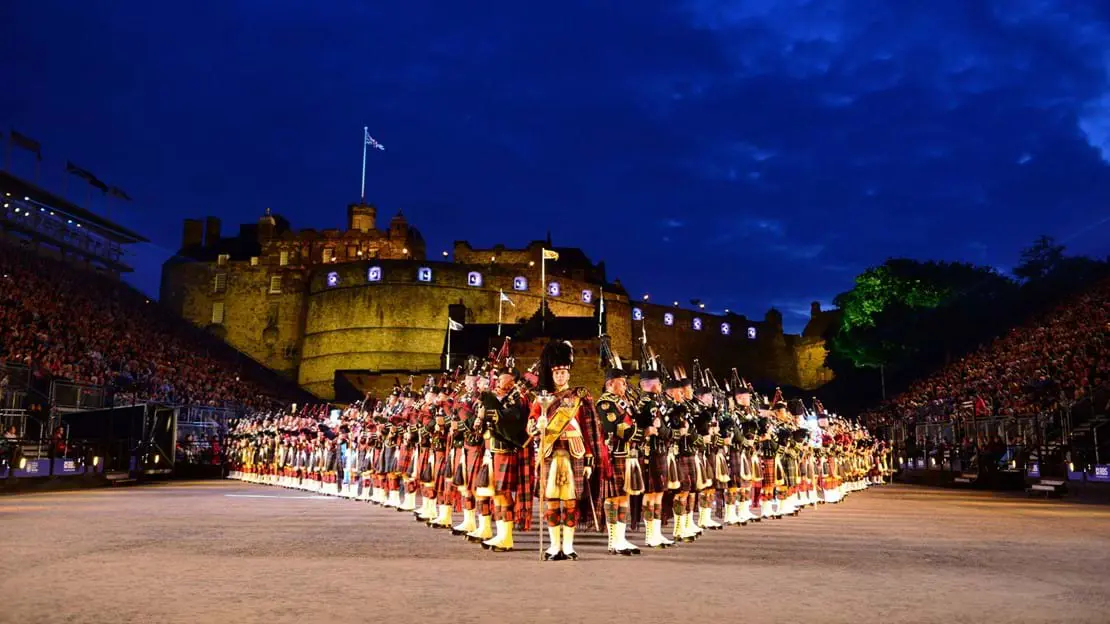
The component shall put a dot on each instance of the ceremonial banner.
(1034, 470)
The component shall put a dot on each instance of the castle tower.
(266, 227)
(361, 217)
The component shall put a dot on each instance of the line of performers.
(491, 441)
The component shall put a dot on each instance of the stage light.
(531, 263)
(78, 225)
(1071, 467)
(96, 461)
(22, 463)
(405, 250)
(26, 199)
(676, 304)
(156, 458)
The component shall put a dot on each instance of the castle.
(321, 306)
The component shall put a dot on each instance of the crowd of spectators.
(67, 323)
(1055, 360)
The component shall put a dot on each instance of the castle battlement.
(310, 303)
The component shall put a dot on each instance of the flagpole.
(365, 133)
(600, 311)
(448, 367)
(500, 306)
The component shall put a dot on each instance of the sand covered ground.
(231, 552)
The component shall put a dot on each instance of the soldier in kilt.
(623, 437)
(506, 411)
(707, 427)
(653, 453)
(683, 481)
(481, 476)
(470, 444)
(571, 441)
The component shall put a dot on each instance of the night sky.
(747, 154)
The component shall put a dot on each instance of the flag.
(454, 325)
(84, 174)
(115, 191)
(27, 143)
(96, 183)
(372, 143)
(549, 254)
(506, 299)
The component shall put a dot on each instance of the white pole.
(500, 305)
(365, 133)
(448, 367)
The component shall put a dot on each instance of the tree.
(884, 317)
(1040, 259)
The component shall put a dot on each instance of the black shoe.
(572, 556)
(631, 551)
(456, 532)
(559, 556)
(500, 549)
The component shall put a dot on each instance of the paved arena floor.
(231, 552)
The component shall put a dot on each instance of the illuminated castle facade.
(326, 306)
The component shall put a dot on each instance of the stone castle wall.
(315, 327)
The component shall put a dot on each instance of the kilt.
(735, 464)
(403, 462)
(614, 486)
(445, 482)
(439, 463)
(722, 469)
(577, 468)
(387, 460)
(687, 473)
(505, 477)
(768, 491)
(468, 471)
(655, 472)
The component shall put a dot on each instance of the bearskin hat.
(555, 354)
(796, 407)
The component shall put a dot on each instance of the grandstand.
(77, 339)
(1031, 403)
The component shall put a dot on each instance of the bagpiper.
(623, 438)
(505, 409)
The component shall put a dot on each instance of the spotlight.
(405, 250)
(445, 254)
(531, 263)
(96, 461)
(22, 460)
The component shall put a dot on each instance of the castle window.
(473, 278)
(217, 312)
(329, 254)
(219, 283)
(520, 283)
(222, 259)
(333, 279)
(726, 329)
(424, 274)
(587, 296)
(553, 289)
(668, 319)
(275, 284)
(697, 324)
(751, 333)
(374, 274)
(637, 314)
(254, 260)
(283, 258)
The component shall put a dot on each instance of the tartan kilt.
(387, 460)
(525, 488)
(467, 474)
(735, 463)
(505, 475)
(768, 491)
(438, 467)
(655, 472)
(577, 468)
(687, 473)
(614, 486)
(722, 469)
(403, 461)
(445, 481)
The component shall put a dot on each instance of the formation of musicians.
(668, 453)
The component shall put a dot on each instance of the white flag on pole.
(549, 254)
(506, 299)
(372, 143)
(454, 325)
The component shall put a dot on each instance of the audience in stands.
(1052, 361)
(66, 323)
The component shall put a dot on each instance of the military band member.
(623, 437)
(482, 483)
(683, 448)
(708, 475)
(469, 446)
(570, 447)
(654, 453)
(506, 413)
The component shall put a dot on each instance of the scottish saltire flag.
(372, 143)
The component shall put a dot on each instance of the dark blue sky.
(748, 154)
